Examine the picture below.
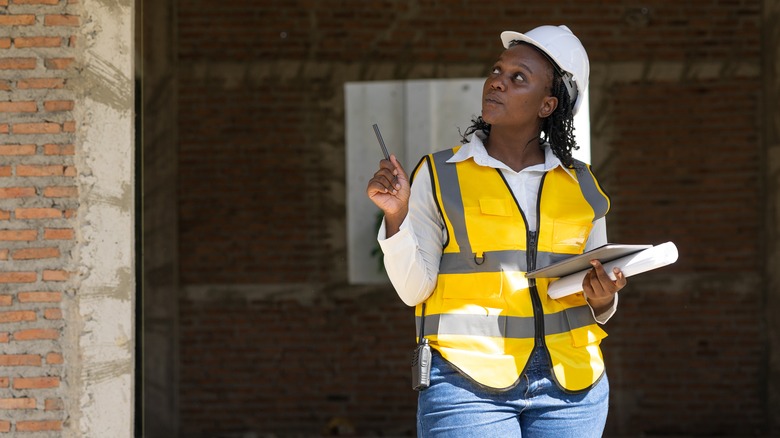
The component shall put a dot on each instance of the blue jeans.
(454, 406)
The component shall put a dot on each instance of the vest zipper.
(532, 243)
(535, 301)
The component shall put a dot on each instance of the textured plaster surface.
(105, 141)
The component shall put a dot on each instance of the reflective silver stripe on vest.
(452, 200)
(598, 202)
(494, 261)
(516, 327)
(489, 261)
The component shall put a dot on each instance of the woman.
(507, 359)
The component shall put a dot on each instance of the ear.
(548, 106)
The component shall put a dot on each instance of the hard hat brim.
(507, 37)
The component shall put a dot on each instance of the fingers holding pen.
(389, 188)
(389, 173)
(390, 178)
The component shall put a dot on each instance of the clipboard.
(581, 262)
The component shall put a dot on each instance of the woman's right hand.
(389, 189)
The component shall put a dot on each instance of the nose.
(496, 83)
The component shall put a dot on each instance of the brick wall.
(261, 129)
(330, 362)
(687, 343)
(38, 200)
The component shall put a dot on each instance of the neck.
(516, 150)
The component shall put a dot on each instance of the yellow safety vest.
(485, 316)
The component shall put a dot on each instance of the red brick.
(18, 149)
(38, 213)
(58, 63)
(16, 360)
(39, 297)
(5, 215)
(4, 337)
(4, 128)
(5, 426)
(5, 43)
(59, 149)
(40, 83)
(37, 128)
(52, 313)
(17, 63)
(18, 235)
(17, 20)
(38, 426)
(17, 192)
(17, 316)
(17, 403)
(54, 359)
(18, 107)
(4, 254)
(56, 170)
(55, 275)
(58, 105)
(36, 382)
(54, 404)
(60, 192)
(39, 41)
(18, 277)
(69, 126)
(36, 2)
(36, 253)
(58, 234)
(61, 20)
(36, 335)
(4, 382)
(5, 85)
(6, 300)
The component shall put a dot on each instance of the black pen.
(381, 142)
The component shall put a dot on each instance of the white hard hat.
(564, 49)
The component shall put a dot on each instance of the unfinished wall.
(676, 107)
(39, 201)
(66, 218)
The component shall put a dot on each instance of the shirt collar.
(475, 149)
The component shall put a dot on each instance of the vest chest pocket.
(495, 207)
(494, 224)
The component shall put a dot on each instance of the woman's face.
(518, 89)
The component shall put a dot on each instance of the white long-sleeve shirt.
(413, 254)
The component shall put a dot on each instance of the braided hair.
(557, 128)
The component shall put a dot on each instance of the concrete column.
(103, 321)
(159, 81)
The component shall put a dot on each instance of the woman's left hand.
(599, 289)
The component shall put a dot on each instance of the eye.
(495, 71)
(518, 77)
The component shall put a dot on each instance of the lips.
(492, 98)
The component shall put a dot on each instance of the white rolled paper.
(643, 261)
